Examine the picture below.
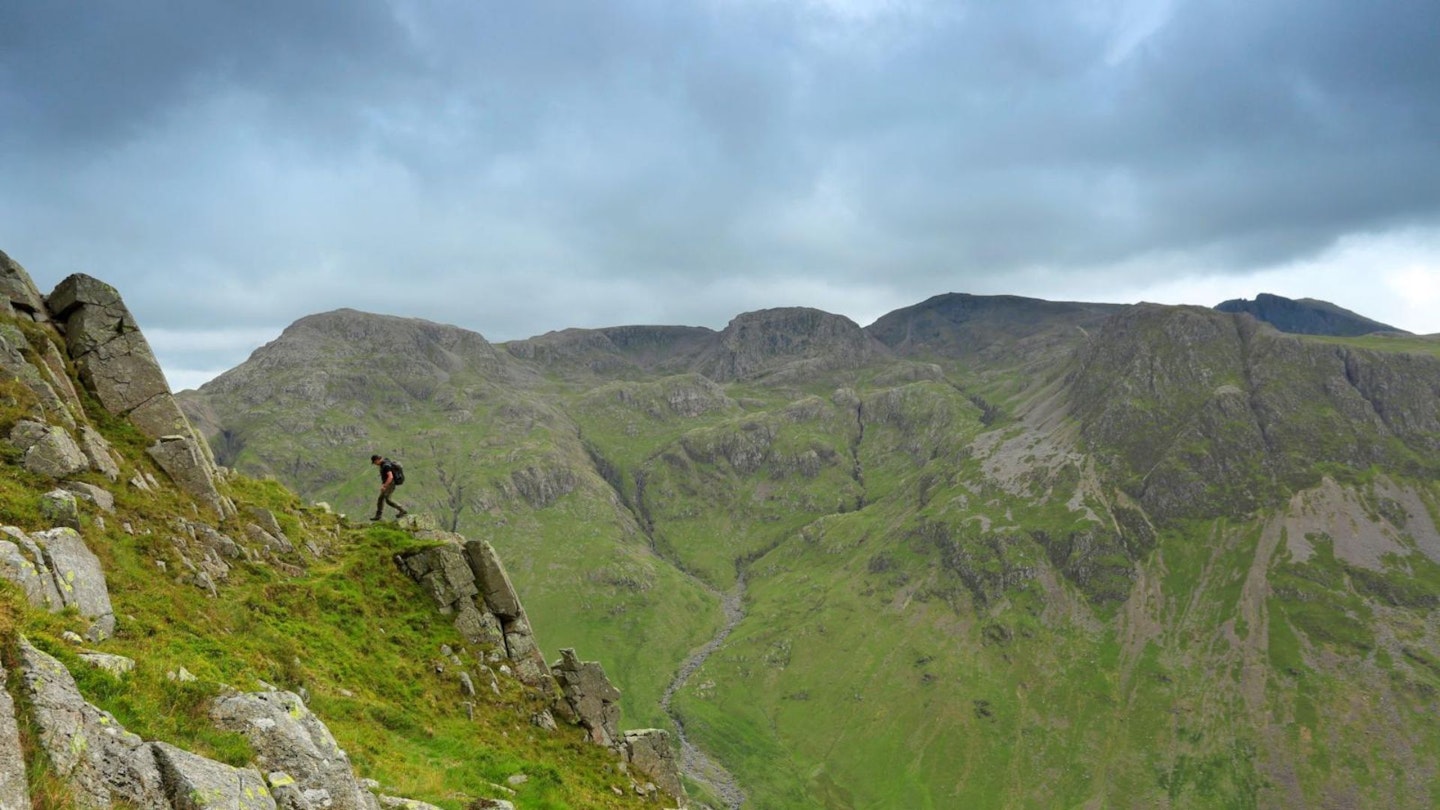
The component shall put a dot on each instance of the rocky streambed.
(694, 762)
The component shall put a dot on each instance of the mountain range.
(985, 552)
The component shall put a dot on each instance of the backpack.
(399, 472)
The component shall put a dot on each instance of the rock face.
(18, 291)
(41, 380)
(182, 457)
(454, 575)
(57, 570)
(306, 766)
(104, 764)
(594, 700)
(777, 345)
(1186, 405)
(53, 454)
(196, 783)
(14, 787)
(648, 751)
(113, 357)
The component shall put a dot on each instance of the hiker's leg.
(385, 493)
(380, 503)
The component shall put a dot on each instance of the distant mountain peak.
(961, 324)
(1305, 316)
(789, 340)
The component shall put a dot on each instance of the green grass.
(352, 632)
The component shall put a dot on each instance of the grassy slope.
(588, 575)
(352, 631)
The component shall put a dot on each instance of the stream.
(694, 762)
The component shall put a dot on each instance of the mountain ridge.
(932, 518)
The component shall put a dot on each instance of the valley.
(996, 552)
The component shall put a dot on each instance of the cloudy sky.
(521, 167)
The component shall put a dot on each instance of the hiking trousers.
(385, 491)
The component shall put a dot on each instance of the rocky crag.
(991, 551)
(466, 579)
(1306, 316)
(108, 482)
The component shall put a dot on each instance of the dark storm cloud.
(520, 167)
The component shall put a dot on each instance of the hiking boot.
(402, 513)
(378, 517)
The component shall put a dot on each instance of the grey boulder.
(288, 737)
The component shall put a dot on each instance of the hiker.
(391, 476)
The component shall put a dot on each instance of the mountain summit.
(1306, 316)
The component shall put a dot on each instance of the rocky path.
(694, 762)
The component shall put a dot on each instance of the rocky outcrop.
(18, 292)
(50, 451)
(594, 701)
(116, 364)
(195, 783)
(182, 457)
(788, 344)
(88, 748)
(541, 486)
(57, 570)
(59, 507)
(46, 377)
(502, 600)
(205, 553)
(466, 579)
(102, 498)
(454, 575)
(47, 405)
(265, 531)
(649, 752)
(305, 766)
(23, 563)
(113, 357)
(101, 456)
(103, 764)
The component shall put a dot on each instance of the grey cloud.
(523, 167)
